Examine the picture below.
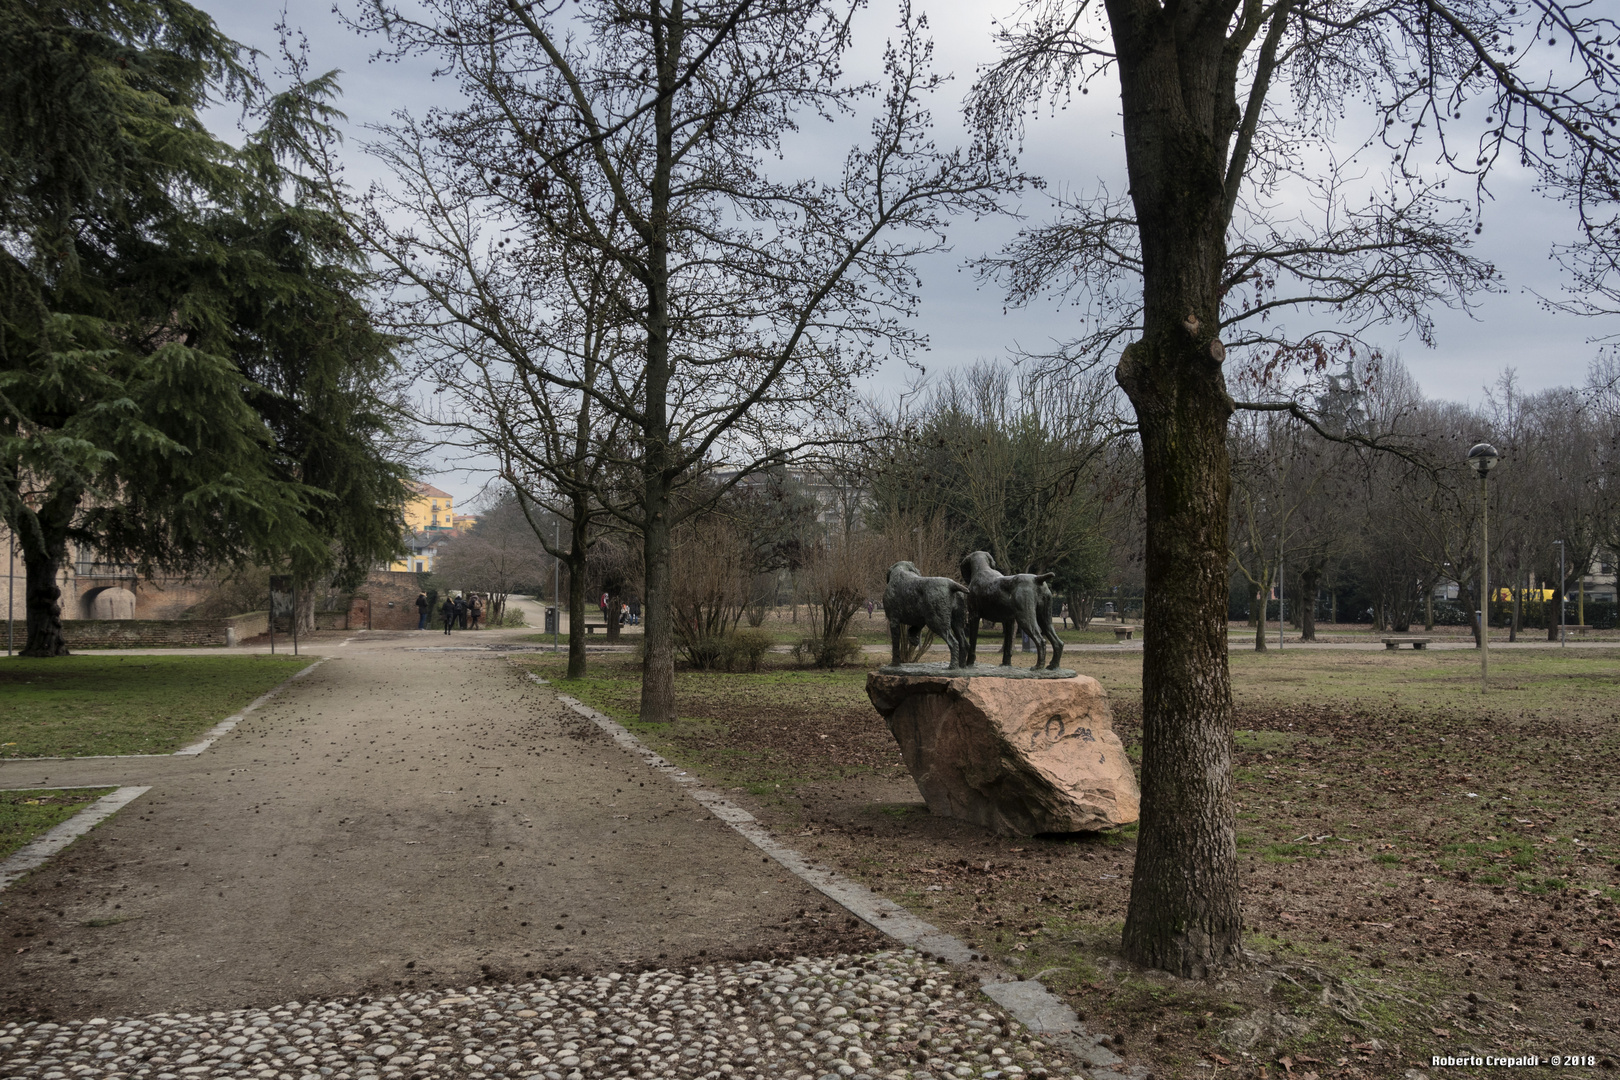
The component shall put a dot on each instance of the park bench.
(593, 627)
(1122, 633)
(1397, 642)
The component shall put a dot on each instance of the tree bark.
(42, 536)
(657, 623)
(1184, 914)
(1308, 583)
(1179, 113)
(1554, 614)
(658, 475)
(578, 548)
(43, 605)
(1518, 609)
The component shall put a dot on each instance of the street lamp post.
(1483, 457)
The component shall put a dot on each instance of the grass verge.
(73, 706)
(26, 814)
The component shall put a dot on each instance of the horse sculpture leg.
(1051, 635)
(896, 632)
(956, 632)
(1008, 626)
(1039, 639)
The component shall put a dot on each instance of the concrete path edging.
(34, 854)
(1029, 1002)
(212, 734)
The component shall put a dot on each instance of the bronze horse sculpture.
(1021, 601)
(911, 602)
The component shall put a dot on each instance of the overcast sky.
(1075, 149)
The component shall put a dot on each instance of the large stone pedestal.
(1017, 755)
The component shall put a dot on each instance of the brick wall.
(134, 633)
(159, 600)
(383, 587)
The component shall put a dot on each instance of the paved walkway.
(403, 815)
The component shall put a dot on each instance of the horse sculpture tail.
(957, 586)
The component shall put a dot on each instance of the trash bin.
(551, 620)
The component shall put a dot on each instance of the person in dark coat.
(447, 611)
(461, 613)
(421, 611)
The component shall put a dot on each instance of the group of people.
(628, 616)
(457, 612)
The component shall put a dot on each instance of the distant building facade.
(430, 519)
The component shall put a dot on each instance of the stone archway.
(108, 602)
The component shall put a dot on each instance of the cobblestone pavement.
(890, 1015)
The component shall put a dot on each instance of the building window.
(418, 566)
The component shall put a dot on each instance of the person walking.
(447, 611)
(421, 611)
(461, 613)
(475, 612)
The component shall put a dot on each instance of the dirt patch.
(1417, 882)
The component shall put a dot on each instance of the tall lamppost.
(1563, 580)
(1483, 456)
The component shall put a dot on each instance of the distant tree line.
(1370, 535)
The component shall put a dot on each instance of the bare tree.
(1278, 466)
(1196, 261)
(638, 132)
(841, 573)
(498, 556)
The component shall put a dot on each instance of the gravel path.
(397, 819)
(892, 1015)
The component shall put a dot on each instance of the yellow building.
(430, 515)
(429, 508)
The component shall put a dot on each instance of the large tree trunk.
(658, 473)
(42, 535)
(1184, 914)
(578, 548)
(1518, 608)
(44, 608)
(1555, 614)
(1178, 111)
(657, 623)
(1309, 581)
(576, 615)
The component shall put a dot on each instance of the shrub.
(709, 589)
(827, 653)
(511, 615)
(745, 649)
